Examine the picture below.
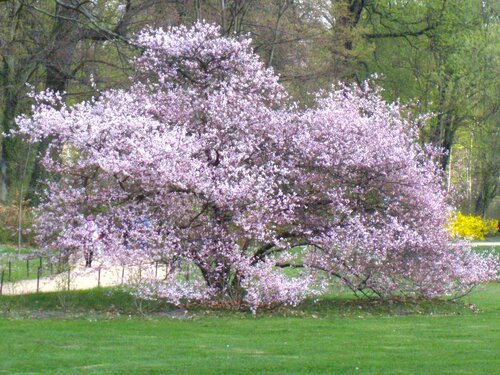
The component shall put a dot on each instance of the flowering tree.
(204, 159)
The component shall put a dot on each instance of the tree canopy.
(206, 159)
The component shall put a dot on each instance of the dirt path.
(81, 278)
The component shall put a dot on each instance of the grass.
(14, 250)
(108, 331)
(492, 239)
(22, 269)
(488, 249)
(92, 332)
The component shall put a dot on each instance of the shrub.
(472, 227)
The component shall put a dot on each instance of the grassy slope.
(19, 267)
(334, 336)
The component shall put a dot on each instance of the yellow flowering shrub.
(473, 227)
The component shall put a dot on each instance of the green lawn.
(487, 249)
(491, 239)
(21, 269)
(91, 332)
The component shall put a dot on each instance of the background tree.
(56, 45)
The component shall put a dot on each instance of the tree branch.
(400, 34)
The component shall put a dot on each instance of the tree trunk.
(9, 165)
(66, 34)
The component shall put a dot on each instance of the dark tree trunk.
(353, 11)
(486, 195)
(9, 163)
(66, 34)
(443, 130)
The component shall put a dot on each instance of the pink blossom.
(204, 159)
